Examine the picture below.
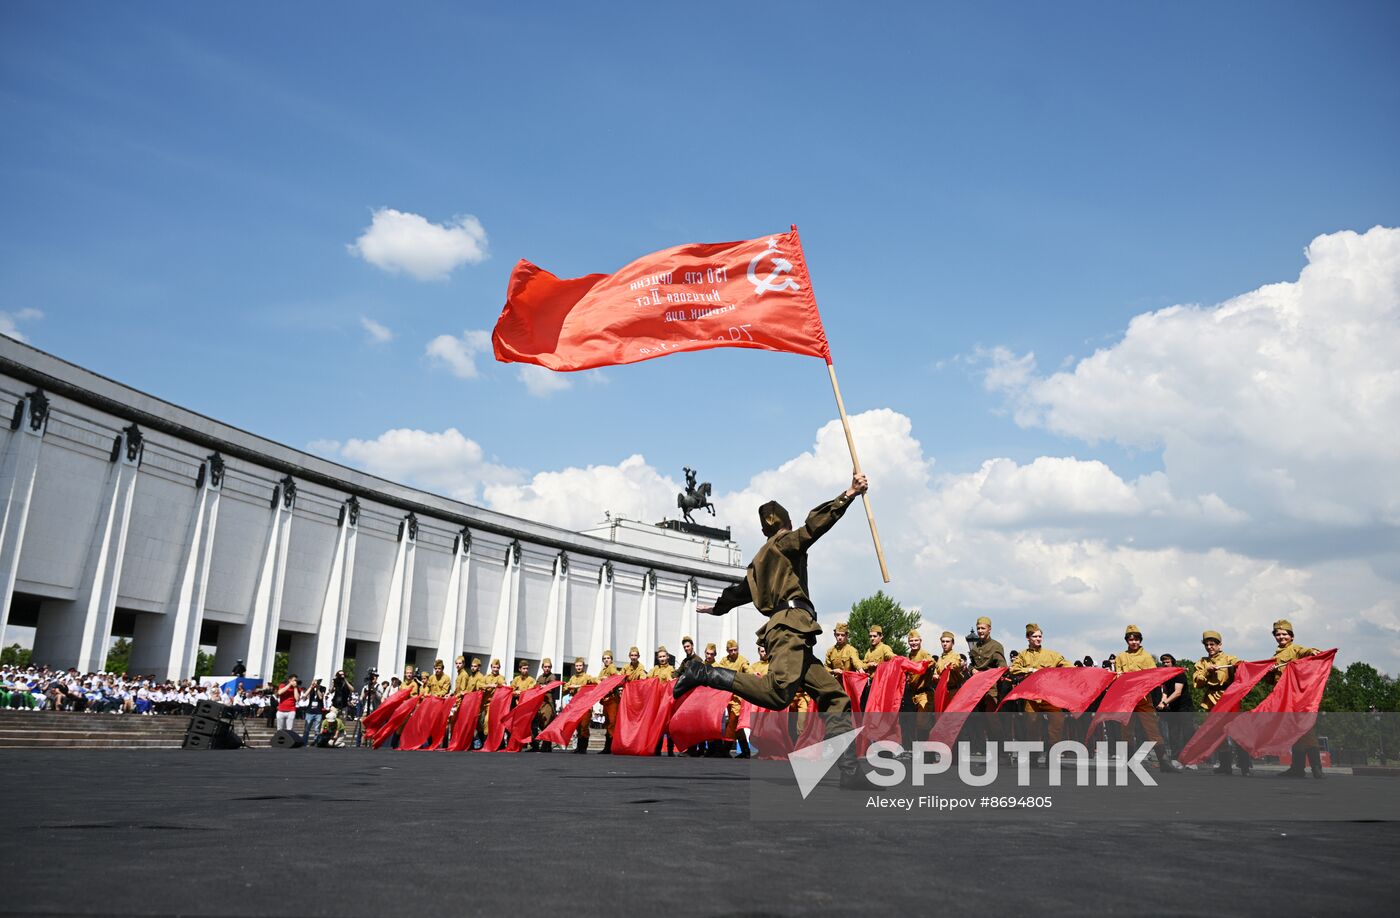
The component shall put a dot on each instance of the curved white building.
(121, 514)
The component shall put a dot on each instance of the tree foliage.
(15, 655)
(884, 611)
(204, 664)
(118, 657)
(281, 661)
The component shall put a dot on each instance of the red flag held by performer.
(520, 721)
(951, 720)
(641, 717)
(380, 715)
(854, 684)
(464, 724)
(398, 716)
(496, 718)
(1071, 689)
(563, 727)
(755, 293)
(1126, 691)
(428, 725)
(697, 716)
(1289, 712)
(1211, 734)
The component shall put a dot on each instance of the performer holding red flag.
(776, 583)
(1133, 660)
(1288, 651)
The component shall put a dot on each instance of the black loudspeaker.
(197, 741)
(213, 710)
(204, 725)
(221, 736)
(287, 739)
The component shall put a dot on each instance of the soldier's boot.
(534, 746)
(696, 672)
(1295, 769)
(1164, 760)
(546, 747)
(1315, 760)
(744, 751)
(607, 746)
(581, 747)
(853, 777)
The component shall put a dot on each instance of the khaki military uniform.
(545, 715)
(776, 583)
(521, 684)
(1282, 657)
(739, 665)
(844, 659)
(1128, 661)
(877, 655)
(438, 686)
(1027, 662)
(919, 685)
(951, 663)
(612, 700)
(661, 671)
(1212, 685)
(575, 684)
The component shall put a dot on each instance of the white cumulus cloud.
(10, 321)
(396, 241)
(444, 462)
(541, 382)
(458, 353)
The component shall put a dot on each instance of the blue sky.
(183, 181)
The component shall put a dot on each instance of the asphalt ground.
(354, 832)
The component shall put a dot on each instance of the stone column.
(77, 633)
(508, 611)
(393, 634)
(690, 619)
(453, 626)
(266, 615)
(335, 603)
(17, 472)
(600, 637)
(168, 644)
(646, 619)
(556, 616)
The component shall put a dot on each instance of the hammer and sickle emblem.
(774, 280)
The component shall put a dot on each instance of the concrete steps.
(66, 729)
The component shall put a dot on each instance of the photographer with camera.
(287, 702)
(342, 692)
(369, 700)
(315, 698)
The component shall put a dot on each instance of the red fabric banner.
(428, 726)
(755, 293)
(563, 727)
(496, 718)
(380, 715)
(940, 691)
(1071, 688)
(881, 715)
(696, 716)
(1126, 691)
(771, 736)
(1289, 712)
(641, 716)
(854, 684)
(520, 720)
(464, 725)
(1211, 734)
(397, 718)
(951, 720)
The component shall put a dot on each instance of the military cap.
(578, 660)
(687, 640)
(661, 648)
(546, 662)
(1031, 628)
(949, 635)
(876, 629)
(772, 517)
(633, 649)
(496, 662)
(460, 659)
(915, 636)
(607, 653)
(731, 644)
(1132, 630)
(1283, 624)
(984, 620)
(841, 628)
(438, 662)
(709, 647)
(1210, 636)
(476, 661)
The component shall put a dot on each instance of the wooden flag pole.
(855, 461)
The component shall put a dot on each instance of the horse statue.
(695, 497)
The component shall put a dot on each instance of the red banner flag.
(563, 727)
(950, 722)
(1071, 688)
(882, 703)
(755, 293)
(1212, 733)
(1126, 691)
(521, 718)
(1289, 712)
(464, 725)
(854, 684)
(428, 726)
(496, 718)
(380, 715)
(696, 716)
(398, 716)
(641, 717)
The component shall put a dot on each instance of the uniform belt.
(798, 604)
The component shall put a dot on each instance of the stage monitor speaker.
(222, 737)
(213, 710)
(197, 741)
(287, 739)
(204, 725)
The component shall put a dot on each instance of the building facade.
(121, 514)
